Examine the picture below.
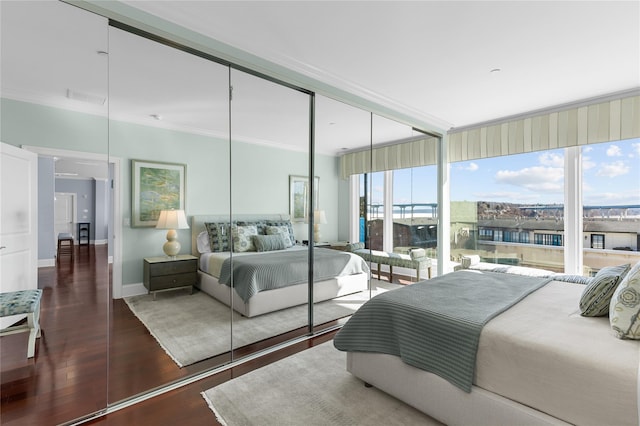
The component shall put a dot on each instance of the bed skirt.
(285, 297)
(438, 398)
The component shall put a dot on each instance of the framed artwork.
(155, 187)
(299, 197)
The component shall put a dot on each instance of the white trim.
(129, 290)
(354, 208)
(387, 223)
(573, 245)
(46, 263)
(444, 208)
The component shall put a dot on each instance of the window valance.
(421, 152)
(600, 121)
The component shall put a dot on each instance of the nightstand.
(163, 273)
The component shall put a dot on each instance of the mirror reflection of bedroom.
(239, 148)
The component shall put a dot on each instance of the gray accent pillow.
(268, 242)
(282, 231)
(596, 297)
(286, 223)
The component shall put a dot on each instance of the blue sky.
(611, 175)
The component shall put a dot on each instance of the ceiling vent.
(86, 97)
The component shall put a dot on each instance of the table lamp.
(172, 220)
(319, 217)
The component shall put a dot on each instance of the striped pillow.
(596, 297)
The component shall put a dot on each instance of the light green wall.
(260, 174)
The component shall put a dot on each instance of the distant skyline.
(611, 176)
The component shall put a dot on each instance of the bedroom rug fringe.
(312, 388)
(194, 327)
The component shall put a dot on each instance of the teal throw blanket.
(435, 325)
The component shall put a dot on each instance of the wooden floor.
(94, 350)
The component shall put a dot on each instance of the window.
(611, 204)
(597, 241)
(415, 208)
(506, 200)
(548, 239)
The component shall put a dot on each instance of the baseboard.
(46, 263)
(135, 289)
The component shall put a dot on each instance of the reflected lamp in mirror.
(319, 217)
(172, 220)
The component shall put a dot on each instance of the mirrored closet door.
(169, 130)
(271, 196)
(54, 104)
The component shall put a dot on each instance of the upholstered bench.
(18, 303)
(415, 259)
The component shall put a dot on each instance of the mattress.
(543, 354)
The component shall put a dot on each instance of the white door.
(64, 206)
(18, 221)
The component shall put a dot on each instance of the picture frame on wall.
(299, 189)
(155, 186)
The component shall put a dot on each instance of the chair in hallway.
(65, 245)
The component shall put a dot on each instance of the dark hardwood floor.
(84, 361)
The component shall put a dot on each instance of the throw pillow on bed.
(242, 238)
(596, 297)
(624, 310)
(282, 231)
(269, 242)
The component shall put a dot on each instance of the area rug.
(311, 387)
(194, 327)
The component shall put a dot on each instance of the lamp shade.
(172, 219)
(319, 216)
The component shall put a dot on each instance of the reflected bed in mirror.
(258, 289)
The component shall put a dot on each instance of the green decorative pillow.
(269, 242)
(418, 253)
(242, 238)
(624, 310)
(596, 297)
(354, 246)
(282, 231)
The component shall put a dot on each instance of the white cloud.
(614, 151)
(636, 148)
(472, 167)
(547, 179)
(614, 169)
(587, 149)
(551, 159)
(587, 163)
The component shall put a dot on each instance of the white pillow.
(202, 242)
(243, 237)
(281, 230)
(624, 309)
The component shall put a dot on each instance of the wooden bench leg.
(390, 273)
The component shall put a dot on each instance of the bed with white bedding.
(270, 294)
(537, 362)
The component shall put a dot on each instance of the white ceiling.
(434, 57)
(429, 60)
